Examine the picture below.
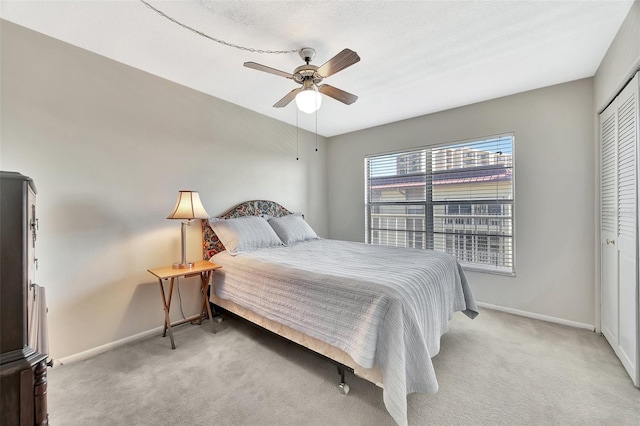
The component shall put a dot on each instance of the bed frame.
(212, 245)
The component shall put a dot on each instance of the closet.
(619, 158)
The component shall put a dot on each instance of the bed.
(380, 311)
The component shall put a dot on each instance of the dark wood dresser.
(23, 334)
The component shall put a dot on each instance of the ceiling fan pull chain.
(249, 49)
(297, 136)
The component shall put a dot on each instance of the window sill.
(470, 267)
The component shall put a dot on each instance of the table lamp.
(187, 208)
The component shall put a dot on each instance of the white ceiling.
(418, 57)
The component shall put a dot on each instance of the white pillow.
(292, 229)
(244, 234)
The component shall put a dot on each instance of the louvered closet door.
(620, 294)
(609, 224)
(627, 113)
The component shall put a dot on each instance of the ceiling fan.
(309, 76)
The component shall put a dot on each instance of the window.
(456, 198)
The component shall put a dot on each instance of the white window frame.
(429, 233)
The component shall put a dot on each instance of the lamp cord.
(180, 298)
(226, 43)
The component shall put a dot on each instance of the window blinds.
(456, 198)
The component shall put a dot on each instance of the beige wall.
(109, 147)
(621, 60)
(554, 193)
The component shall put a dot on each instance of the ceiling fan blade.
(260, 67)
(342, 60)
(287, 98)
(337, 94)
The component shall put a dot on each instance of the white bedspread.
(384, 306)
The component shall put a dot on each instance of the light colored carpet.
(498, 369)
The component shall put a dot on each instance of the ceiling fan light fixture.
(309, 96)
(309, 100)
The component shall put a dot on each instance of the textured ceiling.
(418, 57)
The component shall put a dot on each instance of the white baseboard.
(145, 334)
(107, 347)
(537, 316)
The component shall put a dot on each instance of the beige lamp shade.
(188, 207)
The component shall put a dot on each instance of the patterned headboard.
(210, 242)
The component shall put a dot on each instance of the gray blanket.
(384, 306)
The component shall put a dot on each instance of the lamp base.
(187, 265)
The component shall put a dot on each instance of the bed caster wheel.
(344, 388)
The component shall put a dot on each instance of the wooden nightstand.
(202, 268)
